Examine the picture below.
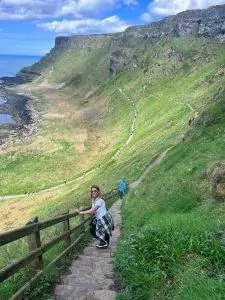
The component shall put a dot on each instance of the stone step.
(97, 269)
(91, 265)
(79, 271)
(85, 293)
(89, 258)
(91, 275)
(93, 246)
(102, 295)
(63, 289)
(84, 278)
(106, 253)
(67, 292)
(100, 282)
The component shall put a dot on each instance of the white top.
(101, 211)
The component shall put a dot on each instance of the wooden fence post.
(66, 227)
(81, 220)
(34, 242)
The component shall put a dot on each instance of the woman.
(102, 222)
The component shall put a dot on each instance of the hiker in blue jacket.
(122, 188)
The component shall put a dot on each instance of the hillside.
(87, 90)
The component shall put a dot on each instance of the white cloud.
(44, 51)
(28, 9)
(161, 8)
(84, 8)
(41, 9)
(86, 26)
(130, 2)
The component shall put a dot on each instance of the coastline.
(20, 106)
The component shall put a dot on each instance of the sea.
(9, 66)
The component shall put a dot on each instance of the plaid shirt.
(103, 226)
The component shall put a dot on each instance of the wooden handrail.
(10, 236)
(32, 231)
(30, 284)
(15, 234)
(11, 269)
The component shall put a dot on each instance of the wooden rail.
(37, 249)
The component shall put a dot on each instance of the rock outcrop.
(216, 175)
(207, 23)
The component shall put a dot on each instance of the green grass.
(176, 221)
(18, 249)
(172, 246)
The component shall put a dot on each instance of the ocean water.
(11, 64)
(2, 100)
(6, 118)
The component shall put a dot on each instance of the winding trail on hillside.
(132, 130)
(91, 275)
(132, 125)
(153, 163)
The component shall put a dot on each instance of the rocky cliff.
(207, 23)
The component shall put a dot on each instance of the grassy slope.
(171, 199)
(73, 125)
(173, 237)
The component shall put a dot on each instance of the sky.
(29, 27)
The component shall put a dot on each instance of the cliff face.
(120, 46)
(87, 41)
(208, 23)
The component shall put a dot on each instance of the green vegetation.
(172, 246)
(173, 224)
(19, 249)
(173, 229)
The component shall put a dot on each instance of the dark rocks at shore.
(25, 118)
(19, 107)
(20, 78)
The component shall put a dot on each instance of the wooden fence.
(37, 249)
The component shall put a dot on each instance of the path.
(153, 163)
(91, 275)
(132, 125)
(5, 197)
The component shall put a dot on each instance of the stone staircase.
(91, 275)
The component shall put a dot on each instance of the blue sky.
(29, 27)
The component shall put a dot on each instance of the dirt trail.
(155, 162)
(2, 197)
(132, 125)
(91, 275)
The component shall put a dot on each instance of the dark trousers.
(93, 229)
(107, 238)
